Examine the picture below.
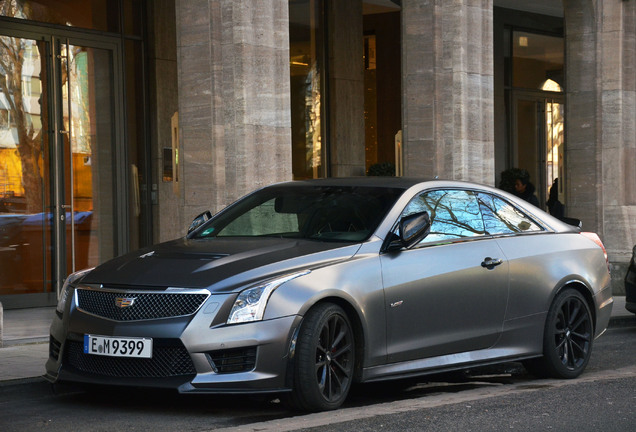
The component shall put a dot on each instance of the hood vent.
(185, 255)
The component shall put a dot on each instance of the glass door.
(25, 146)
(58, 177)
(555, 151)
(539, 146)
(85, 157)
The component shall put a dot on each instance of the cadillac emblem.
(124, 302)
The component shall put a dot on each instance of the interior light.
(551, 85)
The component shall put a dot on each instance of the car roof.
(403, 183)
(388, 182)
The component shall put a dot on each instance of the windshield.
(326, 213)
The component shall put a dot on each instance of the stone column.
(163, 95)
(448, 82)
(601, 123)
(346, 88)
(234, 109)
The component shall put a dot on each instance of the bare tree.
(29, 145)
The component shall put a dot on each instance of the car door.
(448, 294)
(527, 252)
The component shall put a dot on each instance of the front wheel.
(324, 361)
(567, 338)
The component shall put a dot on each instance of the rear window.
(501, 217)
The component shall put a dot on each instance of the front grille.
(233, 360)
(169, 359)
(142, 306)
(54, 348)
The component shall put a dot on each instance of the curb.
(19, 381)
(622, 321)
(25, 341)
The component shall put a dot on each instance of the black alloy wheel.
(324, 362)
(568, 337)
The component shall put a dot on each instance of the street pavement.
(24, 335)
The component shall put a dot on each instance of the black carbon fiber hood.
(219, 264)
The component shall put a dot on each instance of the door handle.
(491, 263)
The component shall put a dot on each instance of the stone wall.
(234, 109)
(601, 123)
(163, 103)
(447, 78)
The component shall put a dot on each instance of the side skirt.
(445, 363)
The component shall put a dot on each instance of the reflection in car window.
(322, 213)
(501, 217)
(454, 214)
(260, 221)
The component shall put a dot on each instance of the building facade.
(124, 119)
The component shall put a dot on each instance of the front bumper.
(189, 355)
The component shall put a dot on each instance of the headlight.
(250, 304)
(68, 286)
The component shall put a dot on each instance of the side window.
(501, 217)
(454, 214)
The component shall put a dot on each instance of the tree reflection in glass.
(501, 217)
(21, 134)
(454, 214)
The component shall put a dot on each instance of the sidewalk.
(25, 346)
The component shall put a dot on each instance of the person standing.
(554, 205)
(525, 189)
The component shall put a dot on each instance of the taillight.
(596, 239)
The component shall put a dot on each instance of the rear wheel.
(567, 338)
(324, 362)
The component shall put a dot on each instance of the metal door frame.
(53, 36)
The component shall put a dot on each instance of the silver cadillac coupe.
(304, 288)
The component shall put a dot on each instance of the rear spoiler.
(572, 221)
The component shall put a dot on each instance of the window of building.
(102, 15)
(530, 99)
(310, 35)
(537, 61)
(306, 62)
(382, 88)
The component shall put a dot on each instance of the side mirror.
(200, 220)
(413, 229)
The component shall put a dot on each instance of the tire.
(567, 338)
(324, 364)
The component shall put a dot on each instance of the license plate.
(118, 346)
